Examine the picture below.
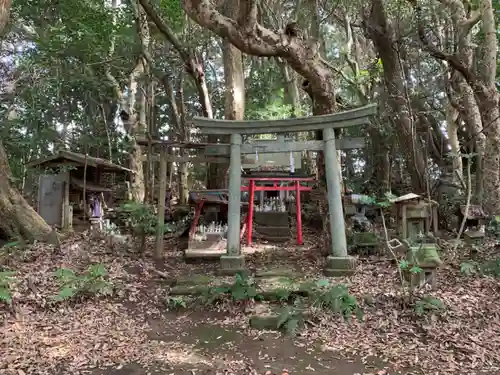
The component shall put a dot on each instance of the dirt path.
(216, 348)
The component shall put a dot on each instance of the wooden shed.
(64, 178)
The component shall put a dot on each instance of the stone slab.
(340, 266)
(231, 264)
(274, 272)
(205, 254)
(274, 239)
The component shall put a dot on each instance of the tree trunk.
(291, 92)
(452, 130)
(381, 31)
(138, 124)
(234, 99)
(17, 218)
(487, 97)
(462, 96)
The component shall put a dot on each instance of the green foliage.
(428, 304)
(6, 279)
(140, 217)
(91, 282)
(405, 266)
(243, 289)
(175, 303)
(336, 298)
(291, 318)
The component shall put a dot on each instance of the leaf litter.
(40, 337)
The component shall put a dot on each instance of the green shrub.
(91, 282)
(6, 279)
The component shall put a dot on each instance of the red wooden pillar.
(251, 196)
(298, 209)
(196, 218)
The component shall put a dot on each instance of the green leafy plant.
(428, 304)
(334, 298)
(243, 289)
(141, 219)
(291, 318)
(338, 300)
(91, 282)
(176, 303)
(6, 279)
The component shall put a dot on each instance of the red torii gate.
(220, 196)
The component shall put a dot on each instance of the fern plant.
(91, 282)
(6, 279)
(336, 298)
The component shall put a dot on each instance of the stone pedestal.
(474, 238)
(340, 266)
(427, 276)
(231, 264)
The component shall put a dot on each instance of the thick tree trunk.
(138, 124)
(292, 93)
(234, 99)
(380, 30)
(462, 98)
(17, 218)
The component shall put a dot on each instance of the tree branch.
(452, 60)
(257, 40)
(165, 29)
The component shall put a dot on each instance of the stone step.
(273, 231)
(274, 239)
(271, 218)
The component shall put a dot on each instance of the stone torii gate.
(339, 262)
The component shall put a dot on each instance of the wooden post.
(233, 261)
(298, 210)
(339, 263)
(251, 197)
(160, 233)
(85, 187)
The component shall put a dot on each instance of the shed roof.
(75, 157)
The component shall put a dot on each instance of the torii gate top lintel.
(344, 119)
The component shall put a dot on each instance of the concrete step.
(273, 231)
(278, 219)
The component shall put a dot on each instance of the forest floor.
(132, 332)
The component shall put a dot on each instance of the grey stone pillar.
(234, 261)
(338, 263)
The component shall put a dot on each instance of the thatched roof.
(63, 156)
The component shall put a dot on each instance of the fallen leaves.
(41, 337)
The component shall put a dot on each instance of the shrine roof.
(64, 156)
